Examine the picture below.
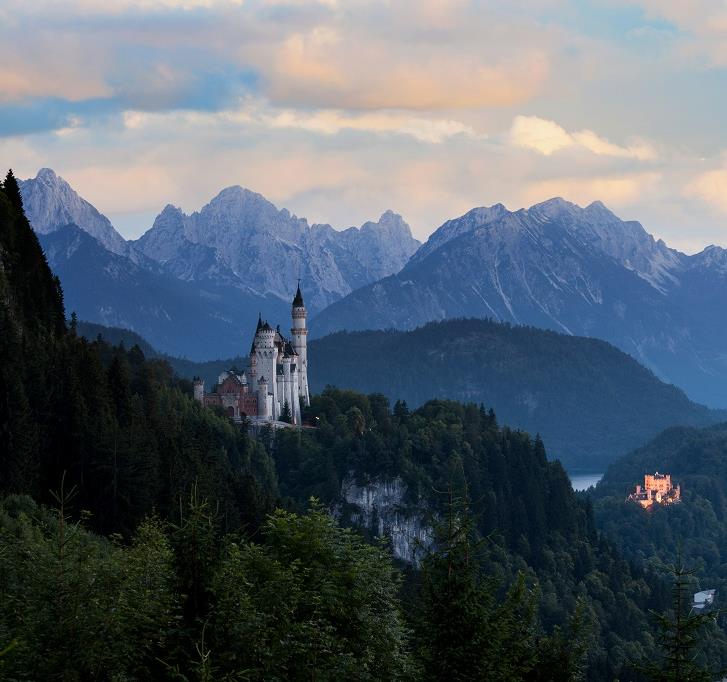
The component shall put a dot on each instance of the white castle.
(277, 379)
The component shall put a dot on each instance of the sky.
(341, 109)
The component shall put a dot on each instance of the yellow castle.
(657, 489)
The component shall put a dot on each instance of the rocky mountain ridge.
(50, 203)
(242, 237)
(558, 266)
(238, 255)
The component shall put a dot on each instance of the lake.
(584, 480)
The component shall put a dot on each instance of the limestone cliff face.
(380, 507)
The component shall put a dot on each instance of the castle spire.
(298, 300)
(259, 322)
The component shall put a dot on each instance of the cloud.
(547, 137)
(327, 69)
(339, 109)
(256, 112)
(711, 188)
(613, 190)
(702, 25)
(353, 55)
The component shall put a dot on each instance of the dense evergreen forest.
(697, 527)
(143, 537)
(589, 401)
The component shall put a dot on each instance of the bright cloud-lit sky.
(340, 109)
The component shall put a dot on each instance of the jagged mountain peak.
(555, 205)
(47, 174)
(244, 236)
(389, 221)
(598, 205)
(473, 219)
(389, 217)
(559, 208)
(557, 265)
(238, 192)
(170, 209)
(50, 203)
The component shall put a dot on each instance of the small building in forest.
(703, 600)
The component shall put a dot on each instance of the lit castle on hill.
(277, 379)
(657, 489)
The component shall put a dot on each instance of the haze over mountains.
(589, 401)
(191, 284)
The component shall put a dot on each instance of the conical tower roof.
(298, 300)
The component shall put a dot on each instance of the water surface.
(584, 480)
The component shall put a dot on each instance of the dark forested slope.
(118, 428)
(589, 401)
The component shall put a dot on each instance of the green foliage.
(119, 428)
(192, 579)
(589, 597)
(314, 602)
(285, 415)
(92, 607)
(12, 191)
(590, 401)
(464, 633)
(695, 529)
(679, 631)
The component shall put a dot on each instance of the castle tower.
(299, 333)
(198, 390)
(266, 360)
(262, 398)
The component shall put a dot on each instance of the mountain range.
(558, 266)
(192, 283)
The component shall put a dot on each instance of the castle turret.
(262, 398)
(266, 361)
(198, 384)
(299, 333)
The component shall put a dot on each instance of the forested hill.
(119, 429)
(696, 528)
(589, 401)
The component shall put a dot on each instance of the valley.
(363, 341)
(401, 416)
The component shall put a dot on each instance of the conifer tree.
(286, 416)
(464, 633)
(679, 632)
(12, 189)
